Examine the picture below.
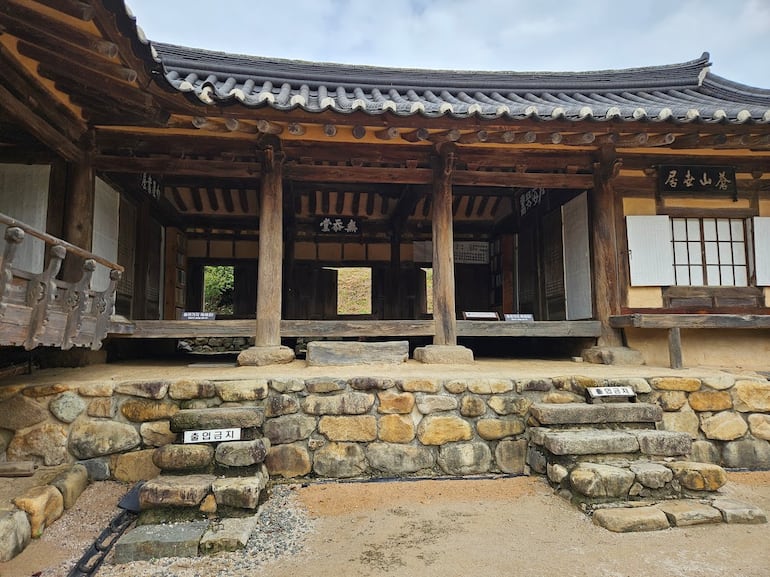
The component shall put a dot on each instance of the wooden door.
(553, 267)
(577, 258)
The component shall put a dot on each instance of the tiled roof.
(680, 93)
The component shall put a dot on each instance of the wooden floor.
(146, 329)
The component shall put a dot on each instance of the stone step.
(217, 418)
(331, 353)
(178, 458)
(603, 441)
(585, 414)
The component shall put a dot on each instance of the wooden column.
(78, 225)
(269, 272)
(605, 246)
(393, 308)
(443, 250)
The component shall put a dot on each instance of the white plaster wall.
(24, 197)
(106, 224)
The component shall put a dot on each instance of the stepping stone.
(734, 511)
(154, 541)
(585, 414)
(326, 353)
(663, 443)
(684, 513)
(228, 534)
(175, 491)
(631, 519)
(589, 442)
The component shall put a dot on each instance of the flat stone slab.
(589, 442)
(332, 353)
(153, 541)
(682, 513)
(228, 534)
(444, 355)
(734, 511)
(217, 418)
(663, 443)
(175, 491)
(631, 519)
(585, 414)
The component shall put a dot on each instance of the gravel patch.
(281, 531)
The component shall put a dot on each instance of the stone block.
(243, 390)
(358, 428)
(590, 442)
(583, 413)
(710, 401)
(217, 418)
(38, 391)
(148, 542)
(639, 385)
(399, 459)
(43, 504)
(443, 355)
(724, 426)
(556, 473)
(597, 481)
(175, 491)
(333, 353)
(746, 454)
(511, 456)
(240, 492)
(562, 397)
(341, 404)
(340, 460)
(71, 484)
(103, 407)
(685, 421)
(19, 412)
(734, 511)
(719, 382)
(228, 535)
(705, 452)
(663, 443)
(263, 356)
(288, 461)
(88, 438)
(687, 384)
(698, 476)
(613, 356)
(456, 386)
(200, 403)
(510, 405)
(490, 386)
(46, 443)
(278, 405)
(15, 534)
(464, 458)
(321, 385)
(156, 433)
(98, 469)
(686, 513)
(542, 385)
(752, 396)
(494, 429)
(183, 457)
(396, 429)
(472, 406)
(420, 385)
(143, 410)
(289, 428)
(372, 383)
(669, 400)
(185, 389)
(67, 406)
(242, 453)
(759, 425)
(392, 402)
(633, 519)
(145, 389)
(96, 389)
(439, 430)
(428, 404)
(134, 466)
(652, 475)
(289, 385)
(576, 383)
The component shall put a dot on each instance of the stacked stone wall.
(365, 426)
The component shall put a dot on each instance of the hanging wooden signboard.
(688, 179)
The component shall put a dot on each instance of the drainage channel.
(97, 551)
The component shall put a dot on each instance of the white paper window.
(710, 251)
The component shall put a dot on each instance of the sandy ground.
(508, 526)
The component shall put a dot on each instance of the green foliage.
(218, 285)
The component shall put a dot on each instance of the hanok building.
(593, 204)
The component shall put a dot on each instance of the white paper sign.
(212, 435)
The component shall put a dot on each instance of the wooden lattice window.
(710, 251)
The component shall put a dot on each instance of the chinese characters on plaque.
(683, 179)
(530, 199)
(338, 225)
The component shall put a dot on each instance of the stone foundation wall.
(366, 426)
(210, 345)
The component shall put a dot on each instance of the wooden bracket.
(77, 301)
(13, 238)
(41, 293)
(101, 308)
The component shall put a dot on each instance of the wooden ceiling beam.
(178, 166)
(74, 8)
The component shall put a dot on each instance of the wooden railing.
(39, 309)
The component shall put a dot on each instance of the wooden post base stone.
(444, 355)
(260, 356)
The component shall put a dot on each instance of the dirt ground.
(508, 526)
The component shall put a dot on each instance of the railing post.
(13, 238)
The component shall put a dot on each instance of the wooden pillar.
(393, 308)
(443, 251)
(605, 246)
(78, 225)
(269, 272)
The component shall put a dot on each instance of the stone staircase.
(210, 487)
(612, 462)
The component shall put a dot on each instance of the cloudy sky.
(522, 35)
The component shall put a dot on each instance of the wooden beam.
(359, 131)
(295, 129)
(180, 203)
(474, 137)
(267, 127)
(213, 200)
(504, 137)
(340, 204)
(443, 255)
(243, 200)
(330, 130)
(386, 133)
(74, 8)
(177, 166)
(196, 198)
(452, 135)
(227, 197)
(419, 135)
